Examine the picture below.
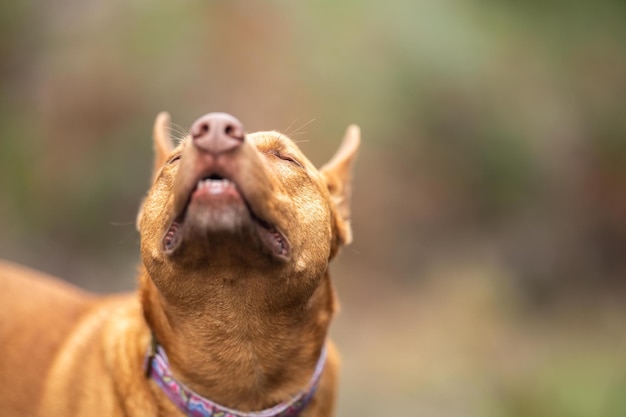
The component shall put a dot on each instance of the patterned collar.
(193, 405)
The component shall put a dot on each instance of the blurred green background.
(487, 276)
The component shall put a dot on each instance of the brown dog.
(234, 302)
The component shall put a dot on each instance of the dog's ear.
(163, 146)
(162, 141)
(338, 175)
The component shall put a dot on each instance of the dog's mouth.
(212, 193)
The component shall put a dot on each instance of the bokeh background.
(487, 277)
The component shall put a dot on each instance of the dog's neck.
(157, 367)
(232, 346)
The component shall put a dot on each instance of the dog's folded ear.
(163, 146)
(338, 175)
(162, 141)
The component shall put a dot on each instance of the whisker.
(178, 132)
(176, 128)
(286, 130)
(122, 224)
(298, 130)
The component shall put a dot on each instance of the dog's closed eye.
(287, 158)
(174, 159)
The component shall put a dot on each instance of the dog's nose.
(217, 133)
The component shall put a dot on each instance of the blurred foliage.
(494, 131)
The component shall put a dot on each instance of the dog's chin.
(211, 219)
(217, 218)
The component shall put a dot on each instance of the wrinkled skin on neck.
(242, 301)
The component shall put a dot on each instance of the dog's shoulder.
(38, 312)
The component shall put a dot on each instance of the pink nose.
(217, 133)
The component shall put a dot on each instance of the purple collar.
(193, 405)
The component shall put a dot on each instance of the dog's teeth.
(214, 185)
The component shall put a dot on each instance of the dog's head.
(226, 206)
